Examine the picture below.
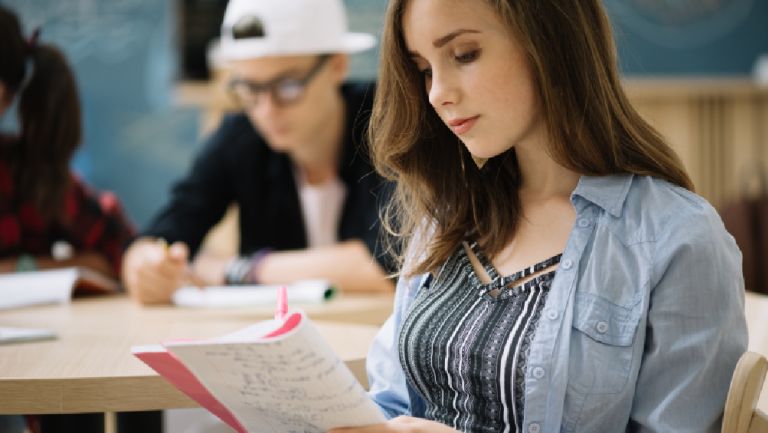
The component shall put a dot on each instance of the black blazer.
(237, 166)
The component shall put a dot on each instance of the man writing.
(294, 161)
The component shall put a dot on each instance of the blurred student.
(293, 161)
(48, 216)
(561, 274)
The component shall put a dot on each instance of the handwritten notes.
(292, 382)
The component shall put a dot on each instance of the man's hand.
(152, 270)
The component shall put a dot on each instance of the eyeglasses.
(284, 90)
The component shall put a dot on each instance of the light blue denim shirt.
(643, 325)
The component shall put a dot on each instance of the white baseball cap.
(260, 28)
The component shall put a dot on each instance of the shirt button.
(551, 314)
(584, 222)
(602, 327)
(567, 264)
(538, 372)
(534, 427)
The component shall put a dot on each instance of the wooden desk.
(89, 368)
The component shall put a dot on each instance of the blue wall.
(123, 53)
(655, 37)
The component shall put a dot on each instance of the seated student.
(294, 162)
(570, 281)
(48, 216)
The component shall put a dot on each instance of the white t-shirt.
(321, 206)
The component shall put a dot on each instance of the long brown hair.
(49, 116)
(593, 129)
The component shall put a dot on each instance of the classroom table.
(89, 367)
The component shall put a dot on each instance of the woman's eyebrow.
(439, 42)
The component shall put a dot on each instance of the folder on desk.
(51, 286)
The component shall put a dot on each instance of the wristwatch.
(26, 262)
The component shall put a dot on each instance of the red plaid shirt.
(90, 221)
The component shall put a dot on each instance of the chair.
(741, 414)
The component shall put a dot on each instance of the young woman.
(48, 216)
(560, 273)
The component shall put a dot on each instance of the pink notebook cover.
(175, 372)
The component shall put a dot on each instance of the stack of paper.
(51, 286)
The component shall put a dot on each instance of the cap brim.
(356, 42)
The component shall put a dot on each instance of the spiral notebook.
(272, 377)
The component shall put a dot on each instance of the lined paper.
(291, 383)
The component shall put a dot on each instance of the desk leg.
(110, 422)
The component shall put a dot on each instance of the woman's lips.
(462, 126)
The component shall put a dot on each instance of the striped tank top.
(464, 344)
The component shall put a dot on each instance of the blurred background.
(148, 95)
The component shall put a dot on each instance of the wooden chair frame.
(741, 414)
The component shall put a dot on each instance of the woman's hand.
(401, 424)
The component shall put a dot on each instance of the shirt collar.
(608, 192)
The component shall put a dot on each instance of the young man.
(294, 161)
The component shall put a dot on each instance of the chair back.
(741, 414)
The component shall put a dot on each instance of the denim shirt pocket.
(602, 344)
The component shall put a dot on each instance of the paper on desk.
(17, 335)
(301, 292)
(50, 286)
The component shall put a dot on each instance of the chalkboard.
(689, 37)
(366, 16)
(654, 37)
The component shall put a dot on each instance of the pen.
(281, 309)
(190, 275)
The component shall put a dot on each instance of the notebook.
(52, 286)
(277, 376)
